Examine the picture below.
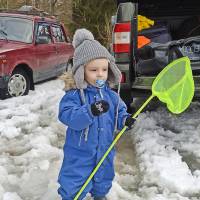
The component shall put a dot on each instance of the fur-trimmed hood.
(69, 81)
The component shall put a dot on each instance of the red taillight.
(121, 38)
(123, 77)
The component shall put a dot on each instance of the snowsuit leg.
(102, 181)
(74, 172)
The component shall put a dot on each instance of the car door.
(45, 52)
(64, 47)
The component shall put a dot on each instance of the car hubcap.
(17, 85)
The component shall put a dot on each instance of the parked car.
(175, 33)
(33, 48)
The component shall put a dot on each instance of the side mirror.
(42, 39)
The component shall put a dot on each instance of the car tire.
(19, 83)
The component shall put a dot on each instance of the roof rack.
(28, 10)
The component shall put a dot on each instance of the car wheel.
(19, 83)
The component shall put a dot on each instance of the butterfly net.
(174, 85)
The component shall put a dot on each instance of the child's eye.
(104, 70)
(94, 70)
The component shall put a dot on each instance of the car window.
(58, 34)
(16, 29)
(44, 32)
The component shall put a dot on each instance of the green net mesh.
(175, 85)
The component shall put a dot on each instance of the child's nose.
(100, 73)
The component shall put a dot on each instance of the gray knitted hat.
(86, 50)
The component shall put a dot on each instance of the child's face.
(96, 69)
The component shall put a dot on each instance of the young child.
(91, 110)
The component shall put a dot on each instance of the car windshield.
(16, 29)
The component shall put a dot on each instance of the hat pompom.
(81, 35)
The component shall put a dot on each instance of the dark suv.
(33, 48)
(176, 33)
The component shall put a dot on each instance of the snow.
(157, 160)
(168, 151)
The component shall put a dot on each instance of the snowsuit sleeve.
(72, 113)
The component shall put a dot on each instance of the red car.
(33, 48)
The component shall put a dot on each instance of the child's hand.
(99, 107)
(129, 122)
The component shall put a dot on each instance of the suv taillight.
(121, 38)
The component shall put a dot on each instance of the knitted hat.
(86, 50)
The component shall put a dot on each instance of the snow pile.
(30, 144)
(168, 150)
(162, 162)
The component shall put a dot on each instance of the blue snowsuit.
(81, 156)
